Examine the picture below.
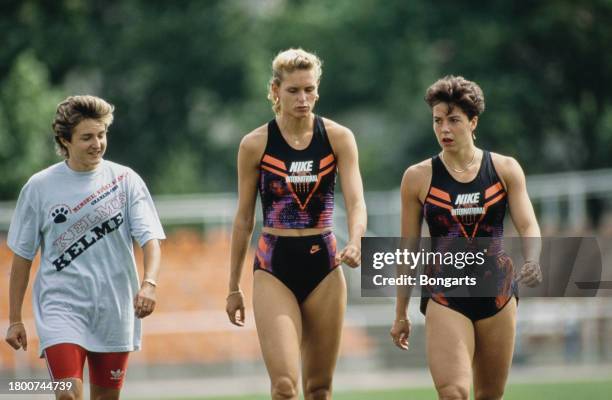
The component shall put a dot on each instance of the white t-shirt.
(84, 223)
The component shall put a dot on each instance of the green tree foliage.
(188, 79)
(27, 105)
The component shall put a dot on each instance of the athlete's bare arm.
(20, 275)
(343, 143)
(413, 190)
(523, 216)
(146, 299)
(250, 152)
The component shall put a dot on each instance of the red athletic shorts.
(66, 360)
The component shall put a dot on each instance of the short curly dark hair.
(456, 90)
(75, 109)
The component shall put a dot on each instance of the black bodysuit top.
(470, 216)
(468, 210)
(297, 186)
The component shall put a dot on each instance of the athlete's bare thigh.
(279, 328)
(323, 316)
(494, 349)
(450, 350)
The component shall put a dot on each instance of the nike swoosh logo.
(314, 249)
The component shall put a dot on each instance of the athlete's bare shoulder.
(417, 179)
(502, 160)
(339, 135)
(254, 143)
(419, 172)
(334, 128)
(507, 168)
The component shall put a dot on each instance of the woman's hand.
(400, 332)
(16, 336)
(350, 255)
(235, 307)
(530, 274)
(145, 300)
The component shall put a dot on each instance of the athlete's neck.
(82, 166)
(461, 159)
(295, 127)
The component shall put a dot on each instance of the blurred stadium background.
(188, 79)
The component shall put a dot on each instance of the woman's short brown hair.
(456, 90)
(75, 109)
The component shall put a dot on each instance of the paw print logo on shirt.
(59, 213)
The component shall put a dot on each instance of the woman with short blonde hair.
(299, 293)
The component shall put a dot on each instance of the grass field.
(552, 391)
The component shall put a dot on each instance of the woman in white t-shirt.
(83, 213)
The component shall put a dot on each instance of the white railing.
(561, 199)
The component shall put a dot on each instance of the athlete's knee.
(68, 395)
(488, 393)
(453, 392)
(107, 396)
(318, 392)
(284, 387)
